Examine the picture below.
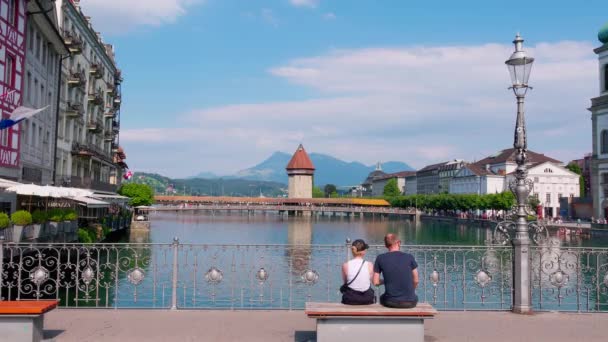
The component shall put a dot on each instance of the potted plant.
(39, 218)
(20, 219)
(55, 216)
(70, 220)
(4, 223)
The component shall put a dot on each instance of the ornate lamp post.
(520, 65)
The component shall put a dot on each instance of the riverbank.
(205, 325)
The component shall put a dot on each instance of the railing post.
(348, 241)
(175, 246)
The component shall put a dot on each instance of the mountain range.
(329, 170)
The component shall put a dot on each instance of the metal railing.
(569, 278)
(175, 275)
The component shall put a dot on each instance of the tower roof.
(300, 160)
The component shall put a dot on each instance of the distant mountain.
(329, 170)
(205, 175)
(209, 187)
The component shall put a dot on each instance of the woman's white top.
(362, 283)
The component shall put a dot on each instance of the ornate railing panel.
(237, 276)
(569, 278)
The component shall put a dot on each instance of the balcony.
(110, 89)
(115, 148)
(96, 99)
(95, 70)
(109, 136)
(89, 183)
(109, 114)
(115, 126)
(73, 43)
(77, 79)
(89, 150)
(95, 126)
(74, 110)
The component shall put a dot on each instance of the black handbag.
(344, 286)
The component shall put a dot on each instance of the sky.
(219, 85)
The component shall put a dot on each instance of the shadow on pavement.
(305, 336)
(51, 334)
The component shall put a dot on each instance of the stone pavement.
(201, 325)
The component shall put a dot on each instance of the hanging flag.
(19, 114)
(128, 175)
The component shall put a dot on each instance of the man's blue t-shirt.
(396, 268)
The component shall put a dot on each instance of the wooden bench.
(23, 320)
(339, 322)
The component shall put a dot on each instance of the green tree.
(140, 194)
(581, 181)
(391, 189)
(317, 192)
(329, 189)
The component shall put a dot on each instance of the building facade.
(300, 173)
(12, 59)
(45, 47)
(368, 183)
(411, 184)
(379, 183)
(599, 126)
(473, 179)
(427, 179)
(88, 154)
(447, 172)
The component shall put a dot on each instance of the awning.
(5, 183)
(110, 198)
(48, 191)
(91, 202)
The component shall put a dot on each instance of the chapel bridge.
(291, 206)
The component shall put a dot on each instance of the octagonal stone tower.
(300, 171)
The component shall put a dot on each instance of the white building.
(473, 179)
(494, 173)
(551, 182)
(88, 154)
(380, 182)
(599, 124)
(45, 47)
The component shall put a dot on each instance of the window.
(536, 179)
(33, 136)
(548, 198)
(12, 12)
(35, 92)
(30, 36)
(44, 53)
(606, 77)
(559, 196)
(604, 141)
(9, 71)
(28, 87)
(548, 170)
(37, 46)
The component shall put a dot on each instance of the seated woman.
(357, 274)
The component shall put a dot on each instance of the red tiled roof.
(401, 174)
(300, 160)
(508, 155)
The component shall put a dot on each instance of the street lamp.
(520, 65)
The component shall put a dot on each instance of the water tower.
(300, 172)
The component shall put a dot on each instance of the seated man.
(400, 274)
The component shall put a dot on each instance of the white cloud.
(415, 104)
(304, 3)
(115, 16)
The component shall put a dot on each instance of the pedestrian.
(357, 276)
(400, 275)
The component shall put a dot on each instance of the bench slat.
(22, 307)
(376, 310)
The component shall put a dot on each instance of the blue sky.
(218, 86)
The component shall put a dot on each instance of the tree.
(140, 194)
(317, 192)
(391, 189)
(577, 169)
(329, 189)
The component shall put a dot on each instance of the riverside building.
(88, 154)
(599, 126)
(12, 59)
(45, 47)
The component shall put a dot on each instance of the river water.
(275, 229)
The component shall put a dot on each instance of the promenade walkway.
(164, 325)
